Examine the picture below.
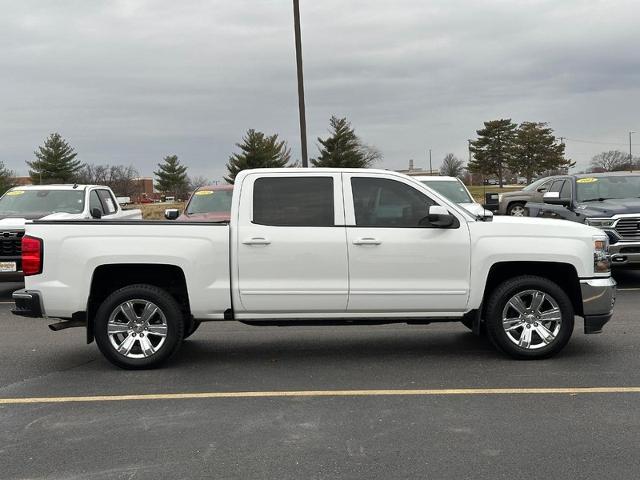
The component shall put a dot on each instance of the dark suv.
(610, 201)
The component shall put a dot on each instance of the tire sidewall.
(517, 204)
(498, 300)
(164, 301)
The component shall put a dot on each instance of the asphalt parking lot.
(340, 430)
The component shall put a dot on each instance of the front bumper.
(598, 298)
(27, 304)
(625, 253)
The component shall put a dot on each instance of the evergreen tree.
(536, 151)
(258, 151)
(493, 149)
(343, 149)
(172, 177)
(55, 162)
(452, 166)
(7, 178)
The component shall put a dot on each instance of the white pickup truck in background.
(50, 202)
(318, 246)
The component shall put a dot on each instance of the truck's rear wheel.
(517, 209)
(139, 326)
(529, 317)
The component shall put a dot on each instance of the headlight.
(601, 263)
(601, 222)
(499, 197)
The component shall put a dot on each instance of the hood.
(12, 224)
(22, 216)
(476, 209)
(63, 216)
(609, 207)
(205, 217)
(545, 227)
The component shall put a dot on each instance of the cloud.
(132, 81)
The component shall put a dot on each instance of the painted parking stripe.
(323, 393)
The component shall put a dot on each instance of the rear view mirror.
(171, 213)
(439, 217)
(553, 198)
(96, 213)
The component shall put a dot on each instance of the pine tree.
(493, 150)
(7, 178)
(536, 151)
(343, 149)
(55, 162)
(258, 151)
(172, 177)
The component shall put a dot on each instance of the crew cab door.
(563, 186)
(291, 245)
(395, 264)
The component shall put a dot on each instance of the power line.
(595, 142)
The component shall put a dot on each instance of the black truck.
(610, 201)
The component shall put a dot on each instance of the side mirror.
(438, 217)
(553, 198)
(171, 213)
(541, 189)
(96, 213)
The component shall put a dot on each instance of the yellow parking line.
(322, 393)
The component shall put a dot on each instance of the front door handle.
(366, 241)
(256, 241)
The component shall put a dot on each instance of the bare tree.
(610, 161)
(121, 179)
(198, 181)
(452, 166)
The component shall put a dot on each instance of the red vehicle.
(207, 204)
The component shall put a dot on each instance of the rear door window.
(293, 201)
(108, 202)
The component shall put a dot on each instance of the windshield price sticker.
(204, 192)
(15, 192)
(587, 180)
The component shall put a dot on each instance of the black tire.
(497, 303)
(190, 328)
(172, 324)
(517, 205)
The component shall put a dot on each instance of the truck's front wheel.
(139, 326)
(529, 317)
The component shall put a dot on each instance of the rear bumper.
(27, 304)
(598, 299)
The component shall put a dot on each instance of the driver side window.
(382, 202)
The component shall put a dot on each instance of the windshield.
(41, 202)
(535, 184)
(210, 201)
(451, 189)
(596, 188)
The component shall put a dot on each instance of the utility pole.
(430, 167)
(630, 156)
(301, 109)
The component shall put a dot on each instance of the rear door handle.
(366, 241)
(256, 241)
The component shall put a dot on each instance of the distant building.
(146, 191)
(413, 171)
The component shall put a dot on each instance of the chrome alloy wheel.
(518, 211)
(137, 328)
(531, 319)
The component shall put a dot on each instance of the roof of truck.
(434, 178)
(607, 174)
(61, 186)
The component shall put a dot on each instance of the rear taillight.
(31, 255)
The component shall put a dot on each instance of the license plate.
(8, 266)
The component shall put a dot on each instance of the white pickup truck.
(50, 202)
(322, 247)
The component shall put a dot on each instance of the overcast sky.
(130, 81)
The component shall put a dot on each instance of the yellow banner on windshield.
(15, 192)
(587, 180)
(204, 192)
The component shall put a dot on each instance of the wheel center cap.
(530, 318)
